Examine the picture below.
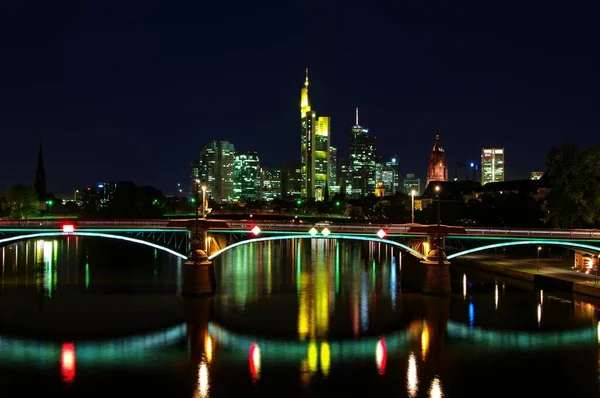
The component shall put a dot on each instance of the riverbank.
(547, 273)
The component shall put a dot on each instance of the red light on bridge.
(255, 230)
(68, 228)
(381, 233)
(67, 362)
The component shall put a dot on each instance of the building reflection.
(68, 363)
(412, 377)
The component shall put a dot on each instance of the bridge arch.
(525, 242)
(331, 236)
(90, 234)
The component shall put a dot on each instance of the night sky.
(118, 92)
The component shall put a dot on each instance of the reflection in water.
(471, 314)
(412, 378)
(254, 362)
(424, 341)
(496, 295)
(67, 363)
(464, 286)
(435, 391)
(203, 380)
(208, 348)
(381, 356)
(539, 315)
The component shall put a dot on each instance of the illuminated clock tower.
(437, 170)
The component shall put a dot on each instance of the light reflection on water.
(320, 310)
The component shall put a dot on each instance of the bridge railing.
(535, 233)
(83, 223)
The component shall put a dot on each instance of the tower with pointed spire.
(437, 169)
(315, 143)
(40, 176)
(362, 160)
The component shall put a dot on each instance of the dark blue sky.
(119, 92)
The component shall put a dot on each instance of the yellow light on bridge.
(255, 230)
(381, 233)
(313, 231)
(325, 232)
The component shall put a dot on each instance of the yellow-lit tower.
(315, 143)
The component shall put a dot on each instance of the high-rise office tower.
(437, 170)
(270, 183)
(246, 176)
(492, 165)
(315, 143)
(216, 170)
(390, 176)
(412, 182)
(291, 181)
(333, 172)
(40, 176)
(362, 165)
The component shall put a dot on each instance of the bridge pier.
(437, 278)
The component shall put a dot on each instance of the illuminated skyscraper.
(315, 141)
(492, 165)
(333, 175)
(270, 183)
(216, 170)
(362, 165)
(246, 177)
(437, 169)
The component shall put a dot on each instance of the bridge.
(206, 239)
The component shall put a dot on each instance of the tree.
(574, 181)
(22, 202)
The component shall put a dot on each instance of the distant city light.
(381, 233)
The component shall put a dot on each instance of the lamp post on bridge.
(203, 201)
(412, 207)
(437, 190)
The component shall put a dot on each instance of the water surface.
(89, 317)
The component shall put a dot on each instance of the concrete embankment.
(541, 276)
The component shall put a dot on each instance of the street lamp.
(412, 207)
(438, 190)
(196, 206)
(50, 203)
(539, 249)
(203, 201)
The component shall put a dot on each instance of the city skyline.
(113, 103)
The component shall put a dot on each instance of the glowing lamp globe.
(255, 230)
(381, 233)
(68, 228)
(313, 231)
(325, 232)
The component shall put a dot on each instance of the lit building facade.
(388, 173)
(536, 175)
(437, 169)
(291, 181)
(362, 167)
(315, 144)
(492, 165)
(246, 176)
(270, 183)
(216, 170)
(333, 172)
(106, 192)
(412, 182)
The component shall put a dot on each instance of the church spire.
(40, 175)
